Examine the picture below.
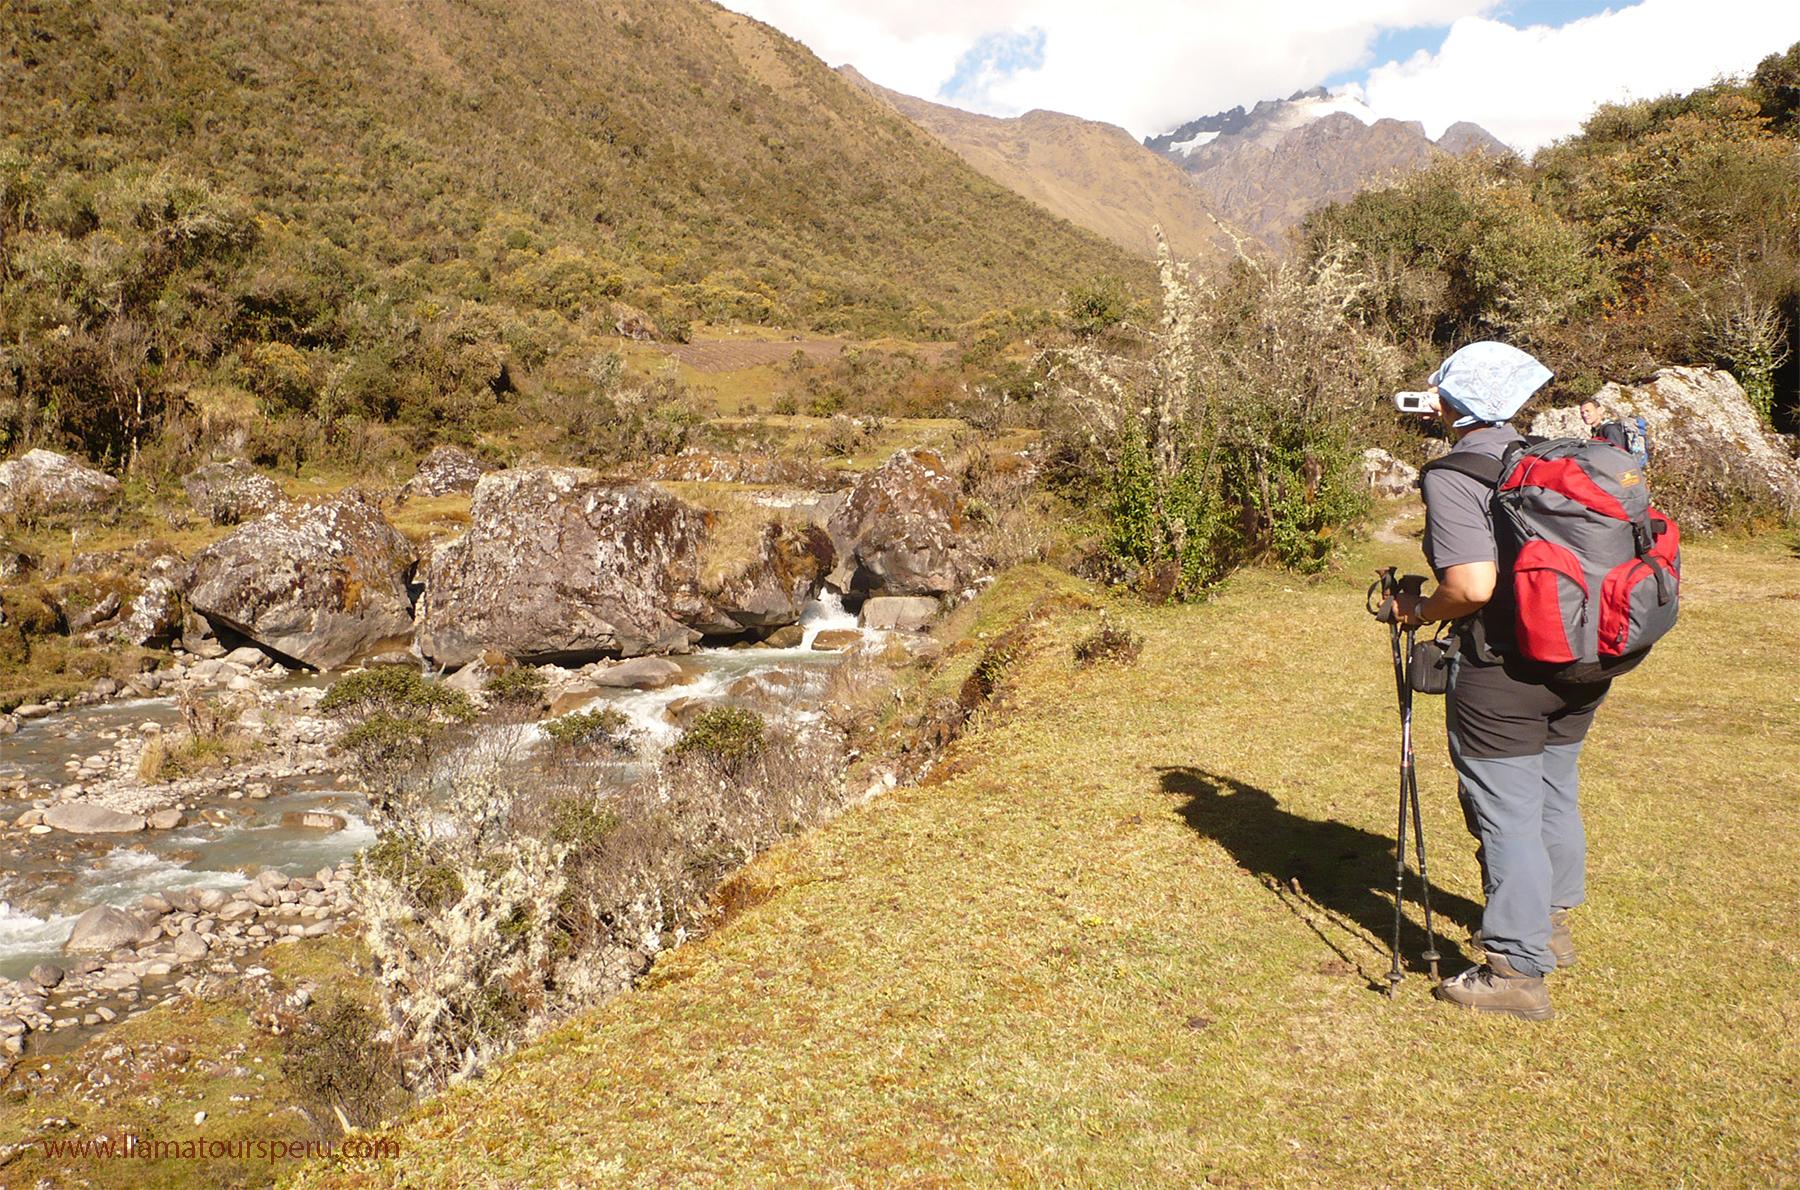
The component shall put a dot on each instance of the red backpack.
(1594, 569)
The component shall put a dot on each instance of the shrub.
(728, 737)
(343, 1069)
(1109, 642)
(395, 718)
(1228, 433)
(397, 690)
(601, 728)
(521, 687)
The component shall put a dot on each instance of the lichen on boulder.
(43, 481)
(901, 530)
(561, 564)
(320, 583)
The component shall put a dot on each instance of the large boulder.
(900, 530)
(320, 583)
(44, 481)
(231, 492)
(446, 469)
(560, 564)
(102, 929)
(1709, 452)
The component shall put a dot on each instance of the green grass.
(1134, 939)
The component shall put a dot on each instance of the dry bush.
(1109, 642)
(511, 885)
(1230, 432)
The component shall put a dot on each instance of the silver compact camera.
(1413, 402)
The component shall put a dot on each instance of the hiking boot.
(1562, 941)
(1496, 987)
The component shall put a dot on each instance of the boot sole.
(1525, 1014)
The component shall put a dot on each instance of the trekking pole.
(1419, 821)
(1383, 594)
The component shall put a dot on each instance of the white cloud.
(1145, 64)
(1530, 86)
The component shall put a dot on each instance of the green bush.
(519, 686)
(397, 690)
(726, 736)
(599, 727)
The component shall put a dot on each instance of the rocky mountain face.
(1094, 175)
(1265, 169)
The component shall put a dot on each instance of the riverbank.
(1134, 933)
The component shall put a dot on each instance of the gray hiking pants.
(1515, 744)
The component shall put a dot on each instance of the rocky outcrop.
(561, 564)
(43, 481)
(231, 492)
(1387, 476)
(320, 583)
(1709, 453)
(899, 532)
(154, 615)
(446, 469)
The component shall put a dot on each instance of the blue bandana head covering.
(1488, 381)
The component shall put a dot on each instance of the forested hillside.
(392, 210)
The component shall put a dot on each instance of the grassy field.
(1132, 935)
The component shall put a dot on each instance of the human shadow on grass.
(1336, 878)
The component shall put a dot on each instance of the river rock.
(166, 820)
(788, 636)
(836, 640)
(231, 492)
(81, 819)
(1708, 448)
(638, 673)
(44, 481)
(102, 929)
(559, 564)
(191, 947)
(312, 820)
(46, 975)
(321, 583)
(900, 530)
(903, 613)
(446, 469)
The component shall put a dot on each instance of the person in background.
(1632, 437)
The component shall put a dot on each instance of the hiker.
(1514, 736)
(1632, 437)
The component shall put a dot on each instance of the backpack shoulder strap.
(1483, 468)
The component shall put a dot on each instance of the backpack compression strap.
(1484, 468)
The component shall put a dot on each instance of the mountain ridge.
(1092, 173)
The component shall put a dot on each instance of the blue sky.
(1399, 44)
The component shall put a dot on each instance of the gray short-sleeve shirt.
(1459, 518)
